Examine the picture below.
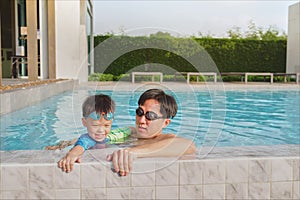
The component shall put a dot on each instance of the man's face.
(150, 128)
(97, 129)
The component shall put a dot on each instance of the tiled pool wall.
(35, 175)
(16, 99)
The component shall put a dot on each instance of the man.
(155, 111)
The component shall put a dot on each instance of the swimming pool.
(221, 118)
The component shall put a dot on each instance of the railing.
(15, 63)
(133, 74)
(258, 74)
(244, 75)
(201, 74)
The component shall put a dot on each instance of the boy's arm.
(67, 162)
(83, 143)
(62, 144)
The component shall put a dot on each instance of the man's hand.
(122, 161)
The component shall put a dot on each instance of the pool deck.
(127, 85)
(183, 86)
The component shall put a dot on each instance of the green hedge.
(229, 55)
(244, 55)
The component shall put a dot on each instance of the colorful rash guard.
(117, 135)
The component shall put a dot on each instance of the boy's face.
(150, 128)
(97, 129)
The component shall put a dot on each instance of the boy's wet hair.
(168, 105)
(99, 103)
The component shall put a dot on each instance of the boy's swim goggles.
(96, 116)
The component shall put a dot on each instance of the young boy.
(98, 113)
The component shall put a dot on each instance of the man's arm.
(165, 145)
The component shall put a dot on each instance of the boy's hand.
(67, 162)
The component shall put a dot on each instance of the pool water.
(228, 118)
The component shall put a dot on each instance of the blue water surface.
(228, 118)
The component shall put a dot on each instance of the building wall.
(71, 50)
(6, 35)
(293, 43)
(43, 40)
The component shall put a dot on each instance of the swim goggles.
(96, 116)
(149, 114)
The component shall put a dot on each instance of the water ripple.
(232, 118)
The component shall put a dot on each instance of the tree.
(161, 34)
(272, 34)
(235, 33)
(207, 35)
(256, 33)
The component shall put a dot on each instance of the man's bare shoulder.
(165, 136)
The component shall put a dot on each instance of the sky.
(188, 18)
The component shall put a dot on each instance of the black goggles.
(149, 114)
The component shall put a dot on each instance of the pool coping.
(159, 178)
(16, 99)
(15, 157)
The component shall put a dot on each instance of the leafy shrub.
(168, 78)
(122, 77)
(232, 78)
(101, 77)
(194, 78)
